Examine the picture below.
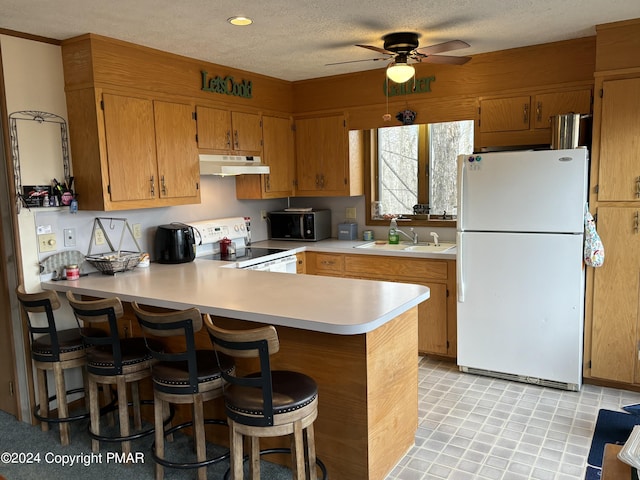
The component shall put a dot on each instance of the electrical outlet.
(137, 230)
(263, 215)
(99, 236)
(351, 213)
(69, 237)
(47, 242)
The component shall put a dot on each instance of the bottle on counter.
(394, 236)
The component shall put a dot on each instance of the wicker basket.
(111, 263)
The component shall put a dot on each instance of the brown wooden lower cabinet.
(436, 317)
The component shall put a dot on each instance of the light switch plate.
(137, 230)
(99, 236)
(351, 213)
(47, 242)
(69, 237)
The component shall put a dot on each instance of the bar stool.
(54, 350)
(186, 376)
(113, 361)
(268, 403)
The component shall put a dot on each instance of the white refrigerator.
(520, 272)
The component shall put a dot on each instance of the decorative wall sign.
(226, 85)
(417, 85)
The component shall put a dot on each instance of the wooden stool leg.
(158, 406)
(254, 465)
(123, 413)
(198, 427)
(135, 399)
(94, 410)
(235, 442)
(311, 452)
(61, 394)
(297, 452)
(167, 413)
(108, 398)
(43, 395)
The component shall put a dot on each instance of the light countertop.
(341, 306)
(349, 246)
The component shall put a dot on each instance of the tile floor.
(475, 427)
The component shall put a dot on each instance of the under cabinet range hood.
(231, 165)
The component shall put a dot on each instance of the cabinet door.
(505, 114)
(321, 155)
(214, 128)
(131, 147)
(279, 154)
(247, 132)
(619, 169)
(177, 152)
(547, 105)
(614, 348)
(432, 325)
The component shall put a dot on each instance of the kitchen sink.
(409, 247)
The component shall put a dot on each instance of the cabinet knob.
(228, 139)
(153, 186)
(235, 139)
(525, 111)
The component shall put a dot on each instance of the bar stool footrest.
(70, 418)
(189, 465)
(270, 451)
(134, 436)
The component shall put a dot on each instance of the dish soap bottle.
(394, 236)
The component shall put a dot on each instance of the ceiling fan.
(403, 46)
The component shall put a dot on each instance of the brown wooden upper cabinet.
(325, 165)
(234, 133)
(524, 119)
(619, 172)
(125, 150)
(278, 151)
(524, 112)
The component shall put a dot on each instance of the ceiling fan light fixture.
(240, 21)
(400, 72)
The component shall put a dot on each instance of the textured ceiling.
(295, 39)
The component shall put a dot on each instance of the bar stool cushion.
(68, 340)
(291, 391)
(174, 375)
(134, 351)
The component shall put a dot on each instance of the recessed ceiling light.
(240, 21)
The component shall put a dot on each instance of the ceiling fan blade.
(442, 59)
(355, 61)
(443, 47)
(377, 49)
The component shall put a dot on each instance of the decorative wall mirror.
(411, 172)
(40, 153)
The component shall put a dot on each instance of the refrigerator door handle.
(461, 208)
(459, 271)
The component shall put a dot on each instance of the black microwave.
(308, 225)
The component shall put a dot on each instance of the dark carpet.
(28, 453)
(611, 427)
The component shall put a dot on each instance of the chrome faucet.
(413, 237)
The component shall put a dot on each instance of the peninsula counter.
(356, 338)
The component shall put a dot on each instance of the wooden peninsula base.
(368, 392)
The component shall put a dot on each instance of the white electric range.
(209, 233)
